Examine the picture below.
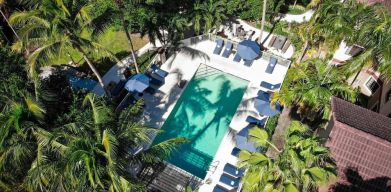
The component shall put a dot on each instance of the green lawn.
(113, 40)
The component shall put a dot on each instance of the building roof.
(361, 118)
(372, 2)
(360, 145)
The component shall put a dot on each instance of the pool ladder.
(204, 71)
(213, 166)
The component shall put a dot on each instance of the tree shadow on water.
(356, 183)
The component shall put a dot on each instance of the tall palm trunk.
(125, 25)
(263, 21)
(131, 48)
(356, 75)
(278, 138)
(92, 67)
(303, 51)
(6, 20)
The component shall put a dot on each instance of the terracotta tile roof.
(360, 145)
(371, 2)
(361, 118)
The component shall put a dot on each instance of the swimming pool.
(202, 114)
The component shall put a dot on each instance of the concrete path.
(291, 18)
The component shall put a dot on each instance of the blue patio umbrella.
(265, 108)
(248, 50)
(242, 141)
(138, 83)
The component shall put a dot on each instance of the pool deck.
(182, 66)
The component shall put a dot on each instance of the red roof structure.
(386, 3)
(360, 143)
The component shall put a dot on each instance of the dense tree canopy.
(303, 164)
(82, 145)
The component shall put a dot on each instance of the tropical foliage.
(82, 146)
(58, 27)
(95, 148)
(302, 165)
(310, 86)
(86, 149)
(355, 23)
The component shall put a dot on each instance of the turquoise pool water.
(202, 114)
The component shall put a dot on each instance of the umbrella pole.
(117, 110)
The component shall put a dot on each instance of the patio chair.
(154, 81)
(279, 42)
(272, 41)
(286, 46)
(248, 63)
(237, 58)
(271, 65)
(158, 71)
(227, 50)
(235, 152)
(219, 46)
(219, 188)
(270, 86)
(229, 180)
(233, 170)
(255, 121)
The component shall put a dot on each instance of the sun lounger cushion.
(237, 58)
(159, 71)
(255, 121)
(235, 152)
(229, 180)
(227, 50)
(219, 46)
(271, 65)
(270, 86)
(248, 63)
(233, 170)
(219, 188)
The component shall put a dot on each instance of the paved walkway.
(291, 18)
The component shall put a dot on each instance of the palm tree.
(368, 26)
(303, 165)
(94, 150)
(125, 25)
(57, 27)
(2, 3)
(207, 14)
(373, 35)
(262, 21)
(19, 119)
(310, 86)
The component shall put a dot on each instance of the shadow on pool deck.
(202, 107)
